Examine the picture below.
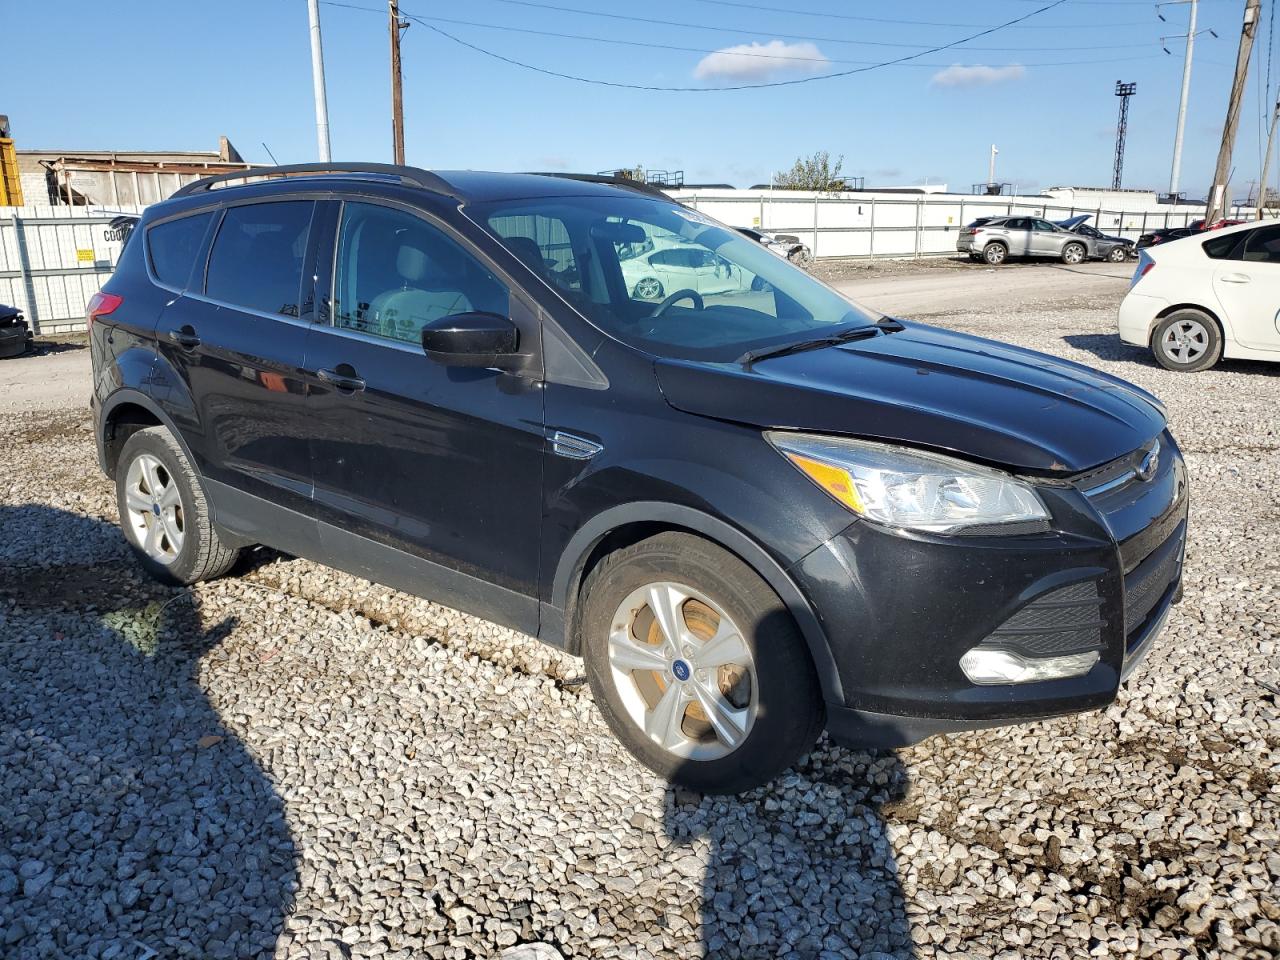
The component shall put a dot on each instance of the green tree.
(818, 172)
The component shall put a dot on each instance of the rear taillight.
(102, 305)
(1146, 263)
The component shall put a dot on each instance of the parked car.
(1000, 238)
(1101, 246)
(755, 514)
(1204, 297)
(1164, 235)
(15, 335)
(670, 264)
(785, 245)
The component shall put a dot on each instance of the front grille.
(1057, 623)
(1146, 585)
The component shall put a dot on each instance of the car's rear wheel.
(1073, 253)
(995, 253)
(164, 512)
(1187, 341)
(697, 666)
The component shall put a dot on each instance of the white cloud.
(978, 75)
(758, 61)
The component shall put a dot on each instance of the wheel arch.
(124, 413)
(629, 523)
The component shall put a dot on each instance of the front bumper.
(901, 610)
(15, 339)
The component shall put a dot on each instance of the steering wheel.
(685, 294)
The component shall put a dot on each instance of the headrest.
(411, 263)
(527, 249)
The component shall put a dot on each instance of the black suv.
(576, 408)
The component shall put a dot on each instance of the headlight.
(909, 488)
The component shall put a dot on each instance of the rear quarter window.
(1224, 248)
(173, 245)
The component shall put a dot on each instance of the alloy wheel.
(1185, 341)
(648, 288)
(683, 671)
(1073, 254)
(154, 509)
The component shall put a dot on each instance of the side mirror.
(476, 339)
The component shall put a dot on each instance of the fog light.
(1001, 666)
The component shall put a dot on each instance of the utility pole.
(1216, 207)
(317, 81)
(991, 168)
(1266, 163)
(1124, 91)
(1182, 103)
(396, 26)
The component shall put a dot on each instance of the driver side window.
(396, 273)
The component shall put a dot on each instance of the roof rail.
(611, 180)
(410, 176)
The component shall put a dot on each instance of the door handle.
(1234, 278)
(345, 382)
(186, 338)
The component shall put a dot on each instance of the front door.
(1249, 289)
(427, 477)
(1046, 239)
(237, 339)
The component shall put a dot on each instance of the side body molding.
(557, 615)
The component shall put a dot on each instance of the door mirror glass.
(474, 339)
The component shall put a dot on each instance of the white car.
(654, 274)
(1207, 296)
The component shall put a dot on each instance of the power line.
(910, 23)
(743, 86)
(707, 50)
(559, 8)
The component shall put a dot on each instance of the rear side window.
(173, 247)
(257, 256)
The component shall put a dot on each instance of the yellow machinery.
(10, 184)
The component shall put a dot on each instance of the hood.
(1072, 222)
(929, 387)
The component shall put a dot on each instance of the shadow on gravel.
(804, 866)
(1111, 347)
(132, 823)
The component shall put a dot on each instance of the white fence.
(894, 225)
(53, 259)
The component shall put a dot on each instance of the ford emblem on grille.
(1150, 463)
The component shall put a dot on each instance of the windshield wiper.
(764, 353)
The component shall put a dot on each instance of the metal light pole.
(991, 167)
(1124, 91)
(317, 80)
(1182, 103)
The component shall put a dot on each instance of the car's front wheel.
(1073, 253)
(1118, 255)
(648, 288)
(1186, 341)
(697, 666)
(164, 511)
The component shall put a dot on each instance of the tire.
(1187, 341)
(1074, 253)
(995, 253)
(778, 706)
(186, 548)
(1117, 255)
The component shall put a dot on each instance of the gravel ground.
(292, 761)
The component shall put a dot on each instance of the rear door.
(1017, 232)
(237, 340)
(1248, 287)
(427, 477)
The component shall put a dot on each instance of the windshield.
(666, 278)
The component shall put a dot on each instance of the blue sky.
(146, 74)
